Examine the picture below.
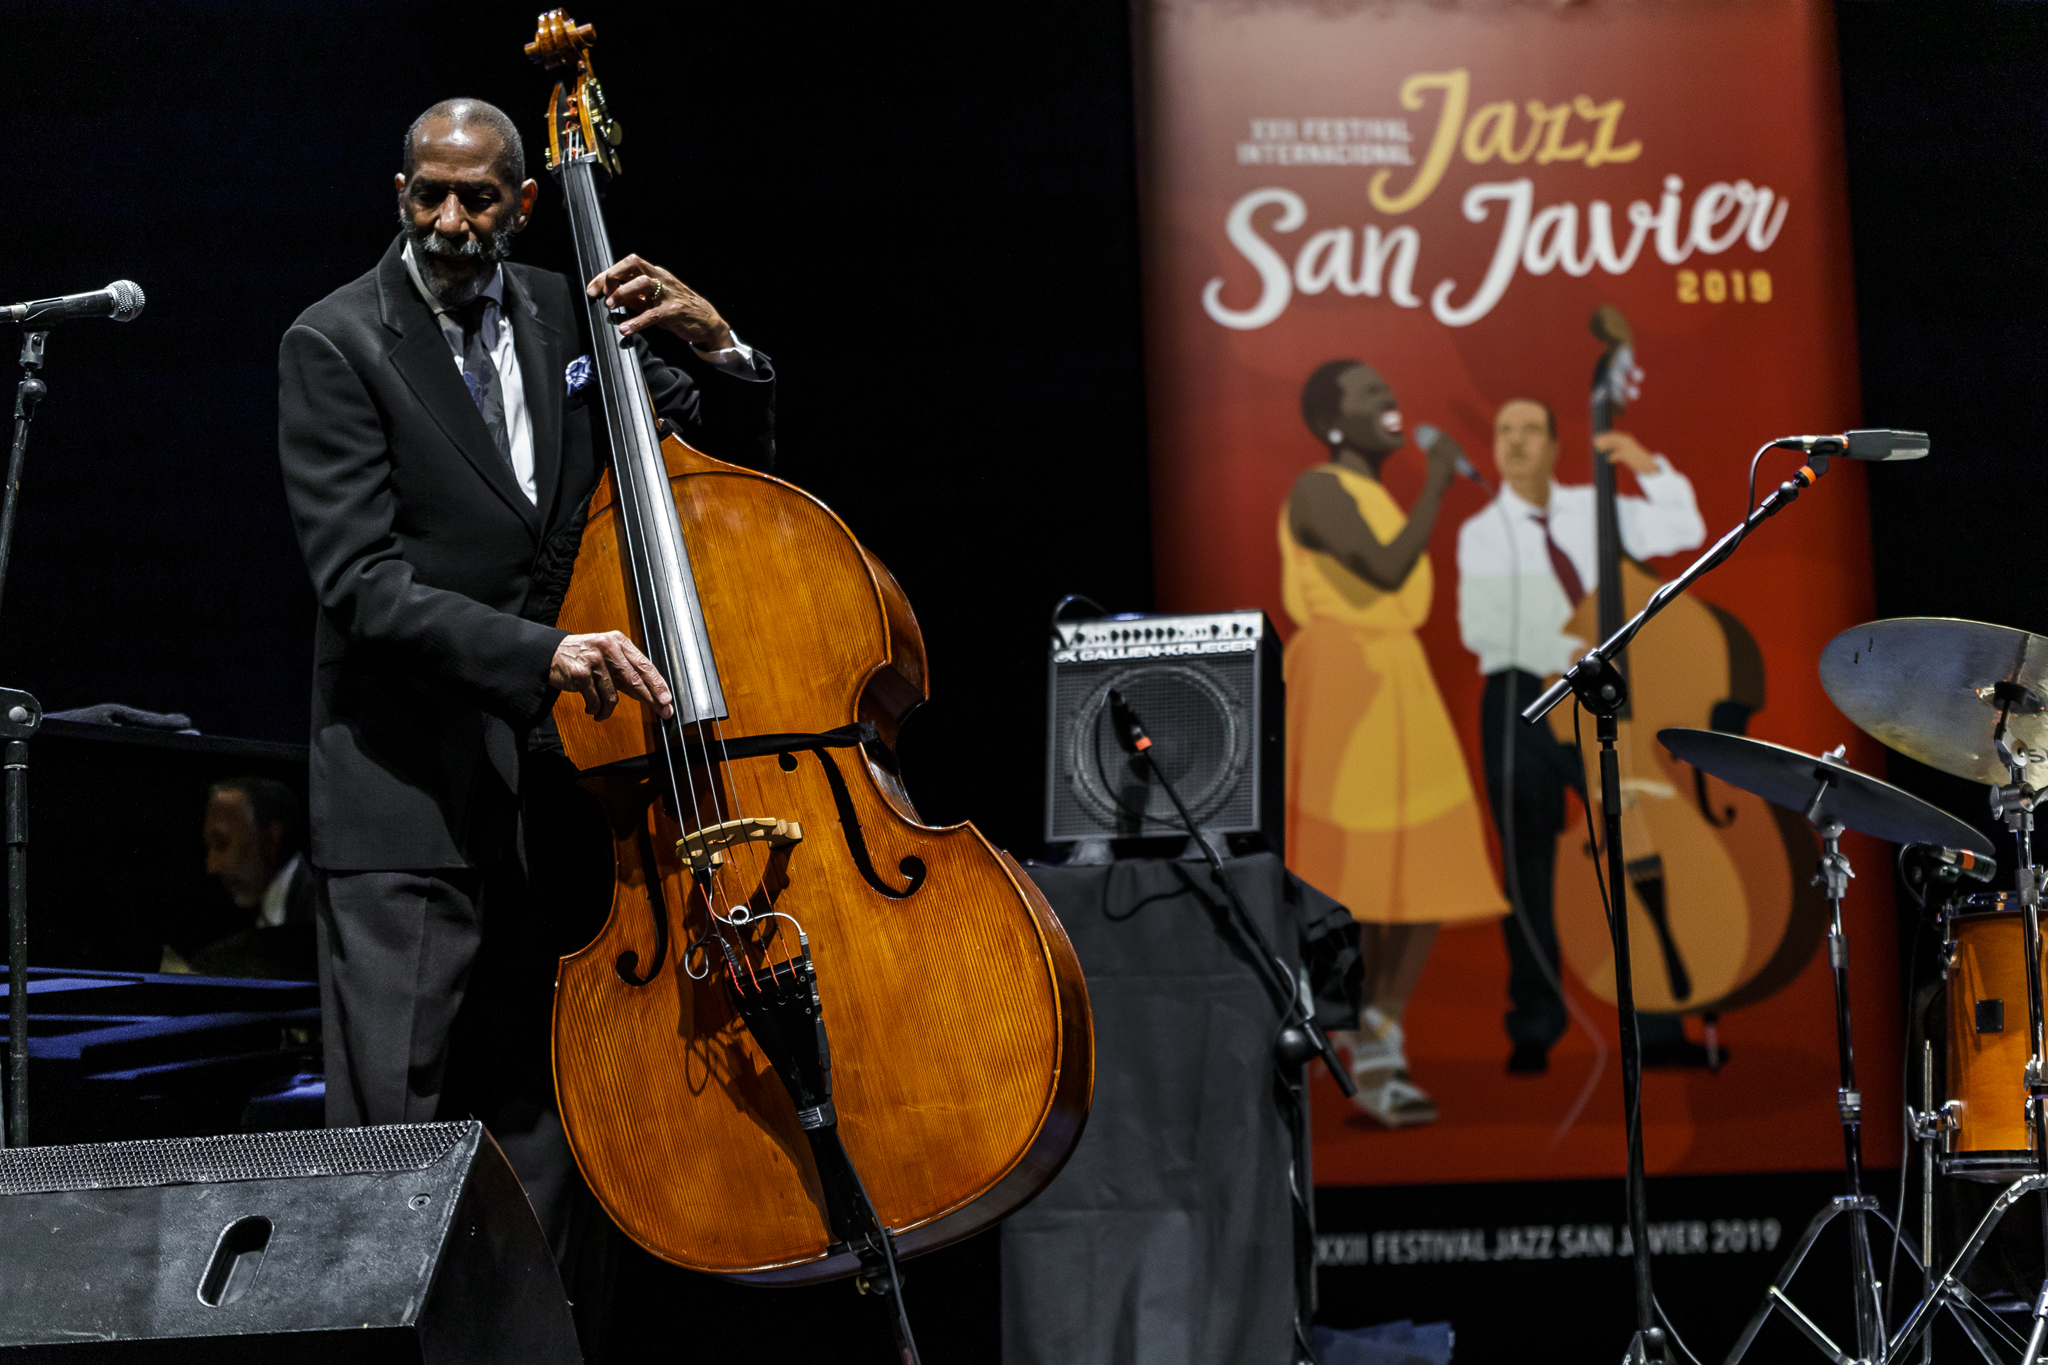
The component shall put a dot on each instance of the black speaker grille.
(1198, 714)
(236, 1156)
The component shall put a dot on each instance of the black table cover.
(1169, 1237)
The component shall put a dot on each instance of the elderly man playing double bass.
(439, 446)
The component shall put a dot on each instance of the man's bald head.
(468, 118)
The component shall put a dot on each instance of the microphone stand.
(20, 714)
(1601, 689)
(1291, 1049)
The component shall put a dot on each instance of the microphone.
(1427, 436)
(1130, 731)
(1926, 863)
(121, 301)
(1860, 445)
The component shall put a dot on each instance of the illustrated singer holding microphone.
(1382, 811)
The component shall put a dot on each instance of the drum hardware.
(1968, 698)
(1833, 797)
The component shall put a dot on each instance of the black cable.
(1906, 1144)
(1132, 738)
(1510, 843)
(1592, 839)
(1069, 600)
(1676, 1339)
(1755, 460)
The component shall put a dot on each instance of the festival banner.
(1368, 218)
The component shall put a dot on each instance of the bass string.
(712, 885)
(634, 504)
(636, 501)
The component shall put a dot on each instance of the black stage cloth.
(1169, 1237)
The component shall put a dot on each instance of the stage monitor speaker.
(1208, 690)
(407, 1243)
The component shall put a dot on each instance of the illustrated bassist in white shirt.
(1525, 562)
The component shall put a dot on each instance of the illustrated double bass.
(815, 1033)
(1717, 918)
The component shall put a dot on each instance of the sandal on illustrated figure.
(1387, 1094)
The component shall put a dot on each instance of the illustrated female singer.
(1381, 810)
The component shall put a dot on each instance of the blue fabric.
(579, 373)
(1389, 1343)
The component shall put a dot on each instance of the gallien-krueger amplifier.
(1209, 692)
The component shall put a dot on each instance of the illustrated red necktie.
(1561, 563)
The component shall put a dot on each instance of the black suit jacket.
(438, 582)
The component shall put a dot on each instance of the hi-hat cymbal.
(1933, 688)
(1789, 778)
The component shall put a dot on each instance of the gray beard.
(473, 260)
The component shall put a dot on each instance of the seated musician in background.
(440, 438)
(1525, 562)
(253, 844)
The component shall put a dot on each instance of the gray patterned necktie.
(480, 320)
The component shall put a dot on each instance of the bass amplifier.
(412, 1243)
(1208, 690)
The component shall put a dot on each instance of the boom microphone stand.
(20, 714)
(1601, 689)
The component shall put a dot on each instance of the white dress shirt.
(1512, 611)
(276, 896)
(738, 357)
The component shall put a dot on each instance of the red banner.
(1364, 219)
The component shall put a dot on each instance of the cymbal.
(1932, 687)
(1789, 778)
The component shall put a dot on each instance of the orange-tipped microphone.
(1875, 444)
(1130, 731)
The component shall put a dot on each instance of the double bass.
(1717, 917)
(815, 1033)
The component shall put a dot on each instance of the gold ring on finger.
(659, 287)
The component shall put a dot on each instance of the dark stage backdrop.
(1946, 111)
(926, 214)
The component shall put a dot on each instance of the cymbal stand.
(2015, 804)
(1833, 876)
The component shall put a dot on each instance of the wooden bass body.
(1718, 861)
(961, 1047)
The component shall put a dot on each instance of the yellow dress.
(1380, 809)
